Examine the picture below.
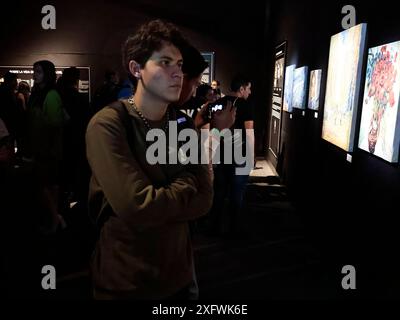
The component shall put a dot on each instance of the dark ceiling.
(224, 21)
(219, 18)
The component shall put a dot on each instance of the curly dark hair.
(150, 37)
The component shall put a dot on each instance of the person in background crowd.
(127, 89)
(23, 94)
(75, 175)
(215, 84)
(45, 131)
(108, 92)
(6, 146)
(9, 112)
(226, 174)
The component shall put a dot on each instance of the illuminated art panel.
(300, 87)
(315, 86)
(379, 129)
(343, 86)
(288, 91)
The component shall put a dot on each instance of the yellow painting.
(343, 86)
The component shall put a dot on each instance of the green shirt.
(53, 114)
(46, 122)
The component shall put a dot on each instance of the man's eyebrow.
(170, 58)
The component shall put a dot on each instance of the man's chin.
(172, 99)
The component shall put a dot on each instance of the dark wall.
(90, 33)
(350, 208)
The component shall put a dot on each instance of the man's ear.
(241, 91)
(134, 69)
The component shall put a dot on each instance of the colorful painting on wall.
(315, 86)
(288, 91)
(343, 86)
(300, 87)
(379, 129)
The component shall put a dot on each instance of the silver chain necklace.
(146, 123)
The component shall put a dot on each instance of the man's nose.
(177, 70)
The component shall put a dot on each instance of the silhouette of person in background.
(23, 94)
(45, 129)
(75, 171)
(127, 89)
(108, 92)
(8, 105)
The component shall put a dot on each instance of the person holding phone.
(229, 181)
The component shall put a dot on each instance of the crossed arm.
(130, 192)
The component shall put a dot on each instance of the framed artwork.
(288, 89)
(277, 99)
(379, 129)
(300, 87)
(209, 73)
(343, 86)
(278, 76)
(315, 86)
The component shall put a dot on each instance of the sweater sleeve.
(201, 201)
(126, 187)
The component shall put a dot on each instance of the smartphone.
(216, 106)
(220, 104)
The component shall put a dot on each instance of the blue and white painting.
(315, 86)
(288, 91)
(300, 87)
